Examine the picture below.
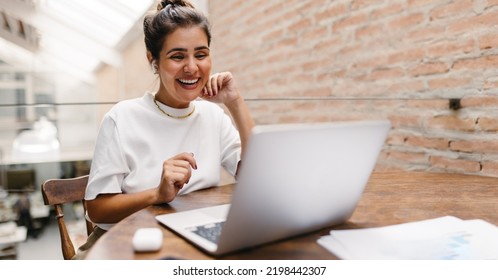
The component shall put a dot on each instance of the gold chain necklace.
(172, 116)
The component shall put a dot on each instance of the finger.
(177, 171)
(220, 80)
(211, 85)
(180, 179)
(182, 168)
(189, 157)
(205, 89)
(177, 177)
(215, 83)
(203, 92)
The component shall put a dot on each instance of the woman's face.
(184, 66)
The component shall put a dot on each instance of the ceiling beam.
(28, 45)
(57, 30)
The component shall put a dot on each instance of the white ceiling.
(70, 36)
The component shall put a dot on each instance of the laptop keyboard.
(210, 232)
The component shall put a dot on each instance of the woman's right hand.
(176, 173)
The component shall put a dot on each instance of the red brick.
(448, 83)
(378, 61)
(407, 55)
(276, 6)
(452, 122)
(273, 35)
(449, 48)
(488, 124)
(315, 33)
(492, 3)
(452, 9)
(389, 10)
(490, 168)
(362, 4)
(406, 21)
(407, 86)
(319, 91)
(430, 68)
(299, 78)
(396, 59)
(426, 33)
(480, 101)
(350, 21)
(395, 138)
(315, 65)
(483, 62)
(289, 119)
(305, 106)
(326, 44)
(351, 51)
(475, 23)
(284, 42)
(406, 121)
(387, 73)
(332, 12)
(409, 157)
(488, 41)
(425, 142)
(369, 31)
(476, 146)
(300, 25)
(455, 165)
(491, 84)
(429, 104)
(330, 76)
(419, 3)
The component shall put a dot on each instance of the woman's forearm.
(112, 208)
(242, 119)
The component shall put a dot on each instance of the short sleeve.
(108, 167)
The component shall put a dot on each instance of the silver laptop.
(294, 179)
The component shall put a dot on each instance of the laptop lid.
(294, 179)
(298, 178)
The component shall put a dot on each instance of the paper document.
(445, 238)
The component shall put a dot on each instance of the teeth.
(190, 82)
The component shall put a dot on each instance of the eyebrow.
(185, 50)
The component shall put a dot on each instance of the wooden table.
(389, 198)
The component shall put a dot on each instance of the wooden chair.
(57, 192)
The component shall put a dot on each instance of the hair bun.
(181, 3)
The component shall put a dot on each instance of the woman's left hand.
(221, 88)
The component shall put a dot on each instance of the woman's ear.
(153, 63)
(154, 67)
(149, 57)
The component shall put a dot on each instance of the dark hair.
(171, 15)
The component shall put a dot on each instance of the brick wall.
(367, 59)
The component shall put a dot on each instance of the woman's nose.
(191, 66)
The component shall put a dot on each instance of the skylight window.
(82, 34)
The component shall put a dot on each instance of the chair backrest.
(57, 192)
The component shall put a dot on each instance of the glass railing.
(77, 125)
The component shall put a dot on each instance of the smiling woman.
(182, 71)
(173, 141)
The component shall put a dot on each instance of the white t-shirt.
(135, 139)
